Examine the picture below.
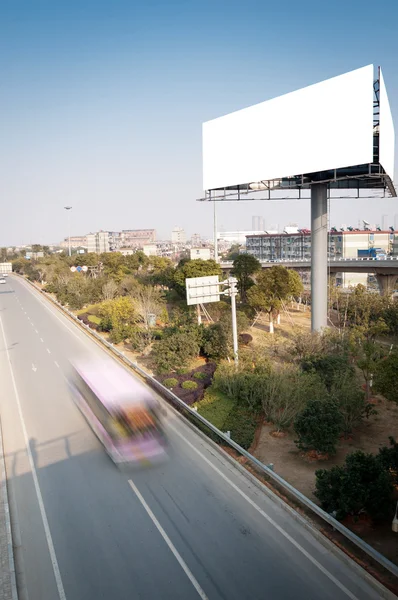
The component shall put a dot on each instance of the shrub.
(389, 459)
(174, 351)
(157, 334)
(243, 386)
(242, 423)
(182, 371)
(385, 378)
(350, 399)
(361, 485)
(245, 339)
(170, 382)
(189, 385)
(327, 367)
(318, 426)
(215, 342)
(200, 375)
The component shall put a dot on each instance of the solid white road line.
(50, 544)
(169, 542)
(41, 339)
(56, 364)
(268, 518)
(49, 351)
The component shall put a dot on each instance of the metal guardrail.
(296, 494)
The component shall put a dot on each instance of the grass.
(92, 309)
(215, 407)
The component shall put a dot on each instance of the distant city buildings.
(258, 223)
(178, 236)
(76, 241)
(202, 253)
(196, 240)
(235, 237)
(295, 244)
(136, 238)
(98, 242)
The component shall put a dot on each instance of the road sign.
(78, 269)
(85, 269)
(201, 290)
(73, 269)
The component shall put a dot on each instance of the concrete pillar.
(387, 283)
(319, 256)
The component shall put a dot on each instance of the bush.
(245, 387)
(200, 375)
(350, 399)
(215, 407)
(327, 367)
(215, 342)
(182, 371)
(242, 423)
(174, 351)
(318, 426)
(361, 485)
(170, 382)
(189, 385)
(385, 377)
(389, 459)
(245, 339)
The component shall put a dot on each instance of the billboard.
(387, 133)
(201, 290)
(325, 126)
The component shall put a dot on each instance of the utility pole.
(215, 232)
(68, 209)
(233, 290)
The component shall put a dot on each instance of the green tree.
(349, 397)
(274, 286)
(175, 351)
(245, 265)
(328, 367)
(360, 486)
(193, 268)
(233, 252)
(318, 426)
(118, 314)
(385, 378)
(3, 254)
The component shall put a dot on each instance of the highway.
(192, 527)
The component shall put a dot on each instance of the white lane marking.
(36, 330)
(34, 368)
(41, 339)
(56, 364)
(50, 544)
(49, 351)
(268, 518)
(169, 542)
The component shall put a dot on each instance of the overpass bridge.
(386, 270)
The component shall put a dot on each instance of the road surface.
(193, 527)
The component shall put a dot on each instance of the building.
(178, 236)
(114, 240)
(136, 238)
(295, 243)
(202, 253)
(150, 249)
(235, 237)
(76, 241)
(196, 240)
(98, 242)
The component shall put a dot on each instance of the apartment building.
(98, 242)
(136, 238)
(178, 236)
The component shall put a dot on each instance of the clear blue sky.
(102, 103)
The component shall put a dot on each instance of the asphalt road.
(193, 527)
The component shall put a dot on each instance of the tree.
(3, 254)
(245, 265)
(360, 486)
(109, 290)
(193, 268)
(318, 426)
(233, 252)
(149, 301)
(329, 367)
(385, 378)
(175, 351)
(274, 286)
(118, 314)
(285, 393)
(346, 392)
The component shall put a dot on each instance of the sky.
(102, 105)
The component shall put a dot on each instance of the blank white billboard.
(387, 133)
(328, 125)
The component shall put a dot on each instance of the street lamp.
(68, 208)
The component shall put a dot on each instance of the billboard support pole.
(215, 231)
(319, 256)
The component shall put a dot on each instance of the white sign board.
(201, 290)
(325, 126)
(387, 133)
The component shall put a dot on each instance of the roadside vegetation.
(316, 391)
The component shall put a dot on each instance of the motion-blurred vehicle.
(121, 411)
(2, 280)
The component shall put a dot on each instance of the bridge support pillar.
(319, 256)
(387, 283)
